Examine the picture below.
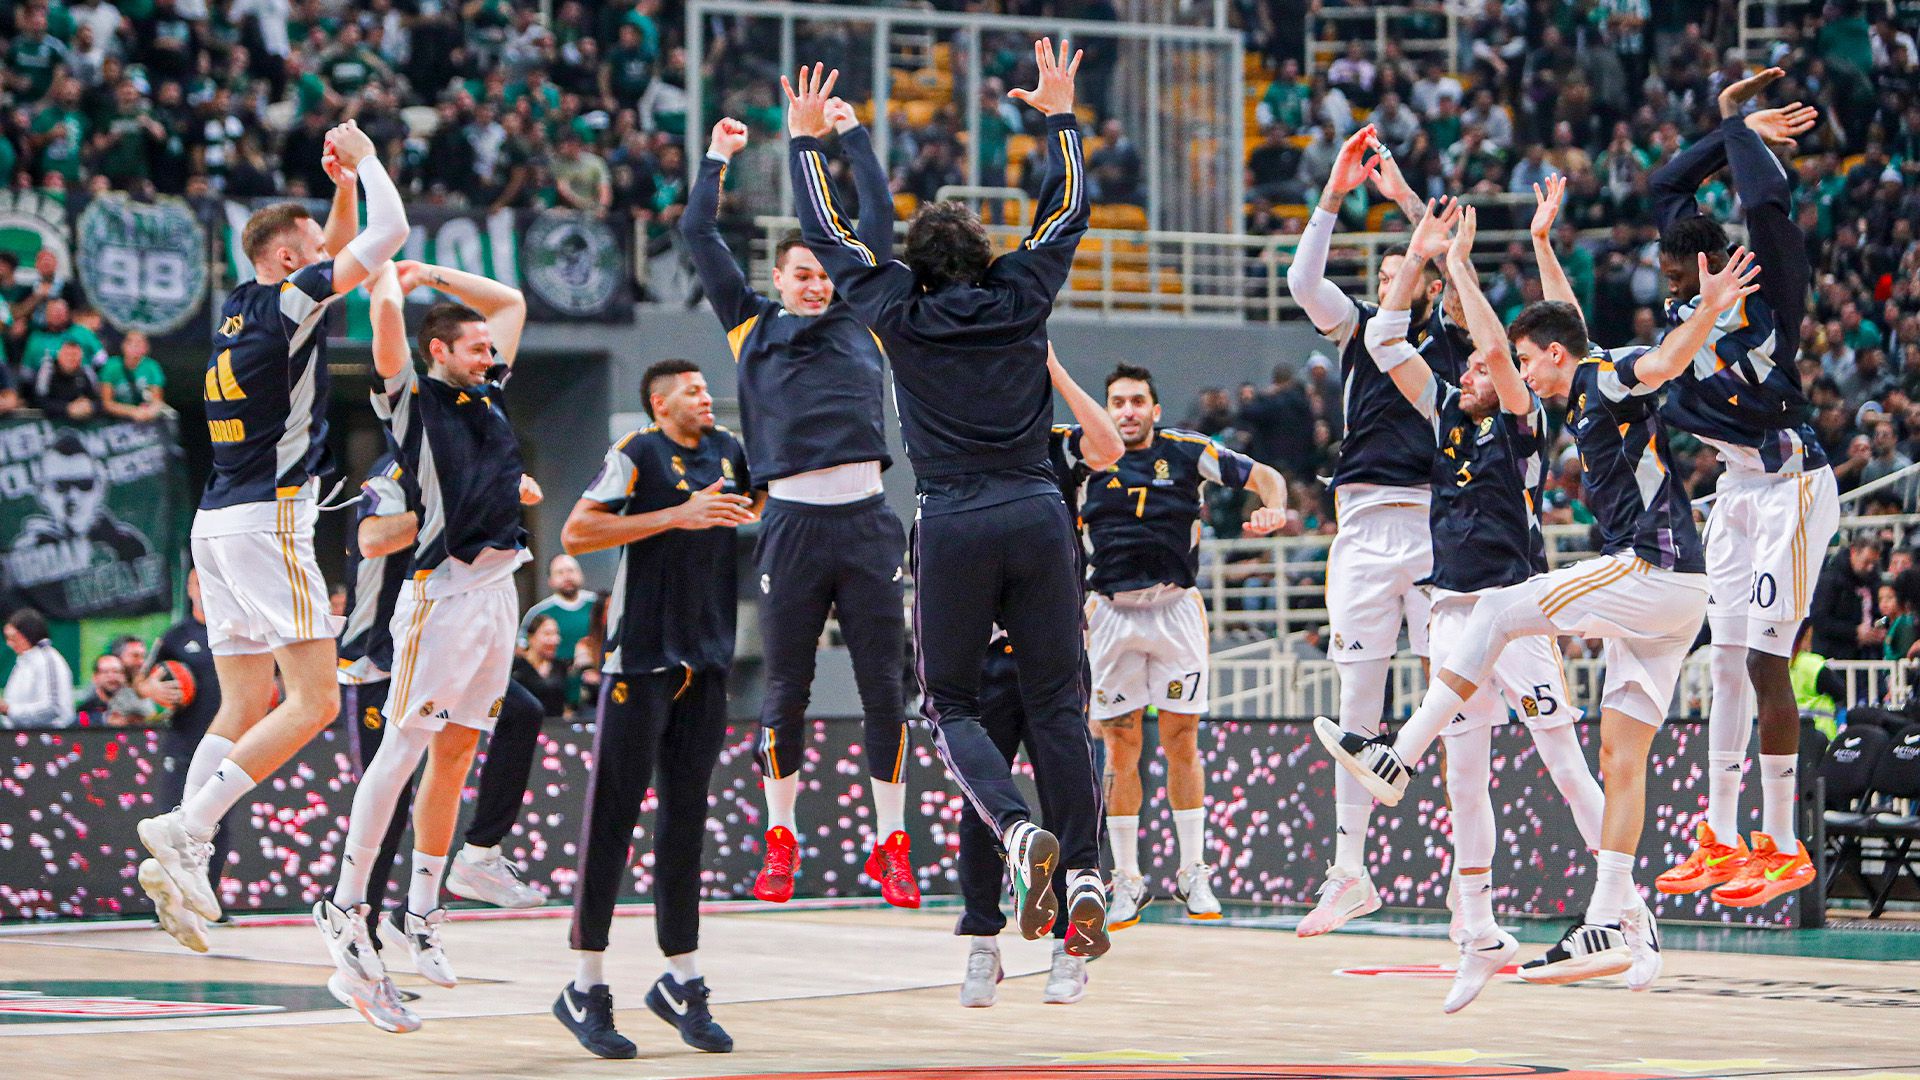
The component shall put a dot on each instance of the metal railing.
(1389, 23)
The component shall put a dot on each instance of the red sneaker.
(891, 864)
(1769, 874)
(775, 883)
(1711, 864)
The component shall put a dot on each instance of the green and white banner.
(144, 265)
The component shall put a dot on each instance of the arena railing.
(1393, 23)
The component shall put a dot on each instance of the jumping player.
(812, 385)
(1778, 505)
(454, 625)
(1147, 625)
(1645, 594)
(993, 543)
(1381, 494)
(669, 497)
(1488, 458)
(266, 398)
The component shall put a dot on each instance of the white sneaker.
(1193, 886)
(1373, 762)
(1067, 982)
(491, 879)
(1480, 961)
(1344, 895)
(981, 988)
(1586, 952)
(350, 944)
(1643, 944)
(378, 1002)
(1130, 898)
(422, 934)
(176, 918)
(184, 860)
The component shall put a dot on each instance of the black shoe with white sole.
(1586, 952)
(1371, 761)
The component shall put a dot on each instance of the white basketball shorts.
(1148, 651)
(1377, 556)
(262, 591)
(452, 656)
(1528, 679)
(1766, 540)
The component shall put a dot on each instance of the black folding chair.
(1847, 770)
(1894, 821)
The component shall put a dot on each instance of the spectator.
(1887, 460)
(1280, 425)
(1285, 103)
(39, 692)
(56, 327)
(568, 605)
(1842, 611)
(65, 388)
(1354, 73)
(185, 643)
(581, 178)
(1395, 123)
(132, 384)
(109, 679)
(538, 666)
(1114, 170)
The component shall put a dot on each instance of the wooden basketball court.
(872, 992)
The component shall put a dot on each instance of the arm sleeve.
(733, 300)
(1673, 184)
(875, 227)
(1060, 214)
(1766, 193)
(613, 484)
(1332, 313)
(386, 227)
(875, 287)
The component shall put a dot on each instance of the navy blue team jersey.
(1631, 484)
(1142, 517)
(374, 582)
(1387, 442)
(460, 447)
(673, 598)
(812, 388)
(266, 389)
(1736, 397)
(1486, 493)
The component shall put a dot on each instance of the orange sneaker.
(775, 883)
(1712, 863)
(891, 864)
(1770, 873)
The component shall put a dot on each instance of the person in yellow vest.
(1815, 689)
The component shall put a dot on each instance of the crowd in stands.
(55, 359)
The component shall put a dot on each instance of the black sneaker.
(590, 1017)
(1585, 952)
(684, 1005)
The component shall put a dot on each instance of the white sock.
(1723, 792)
(207, 757)
(589, 970)
(228, 785)
(1474, 894)
(480, 854)
(356, 865)
(1612, 887)
(1778, 775)
(1350, 837)
(781, 794)
(683, 968)
(423, 887)
(1436, 711)
(1190, 826)
(889, 808)
(1123, 835)
(985, 943)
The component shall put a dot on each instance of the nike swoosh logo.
(1776, 875)
(579, 1014)
(1711, 861)
(674, 1003)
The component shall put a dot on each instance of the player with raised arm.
(1489, 458)
(1383, 549)
(1778, 504)
(1645, 594)
(456, 621)
(966, 334)
(812, 393)
(266, 400)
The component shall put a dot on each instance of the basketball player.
(1491, 438)
(812, 382)
(1779, 505)
(454, 625)
(266, 398)
(1645, 594)
(1147, 625)
(1381, 494)
(1095, 447)
(993, 543)
(669, 497)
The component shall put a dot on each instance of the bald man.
(569, 605)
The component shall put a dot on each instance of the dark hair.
(115, 657)
(265, 226)
(1138, 374)
(445, 322)
(1546, 321)
(1864, 540)
(787, 243)
(9, 260)
(533, 625)
(122, 641)
(1690, 236)
(947, 245)
(31, 624)
(662, 369)
(1906, 586)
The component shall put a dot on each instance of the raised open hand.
(1738, 94)
(1353, 166)
(807, 109)
(1548, 206)
(1054, 93)
(1387, 180)
(1433, 234)
(1781, 128)
(1738, 279)
(1460, 252)
(729, 137)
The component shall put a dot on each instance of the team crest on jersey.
(1100, 696)
(620, 693)
(679, 467)
(1339, 643)
(1160, 470)
(370, 718)
(1529, 706)
(726, 468)
(494, 712)
(766, 583)
(231, 328)
(427, 709)
(1580, 404)
(1176, 689)
(1454, 436)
